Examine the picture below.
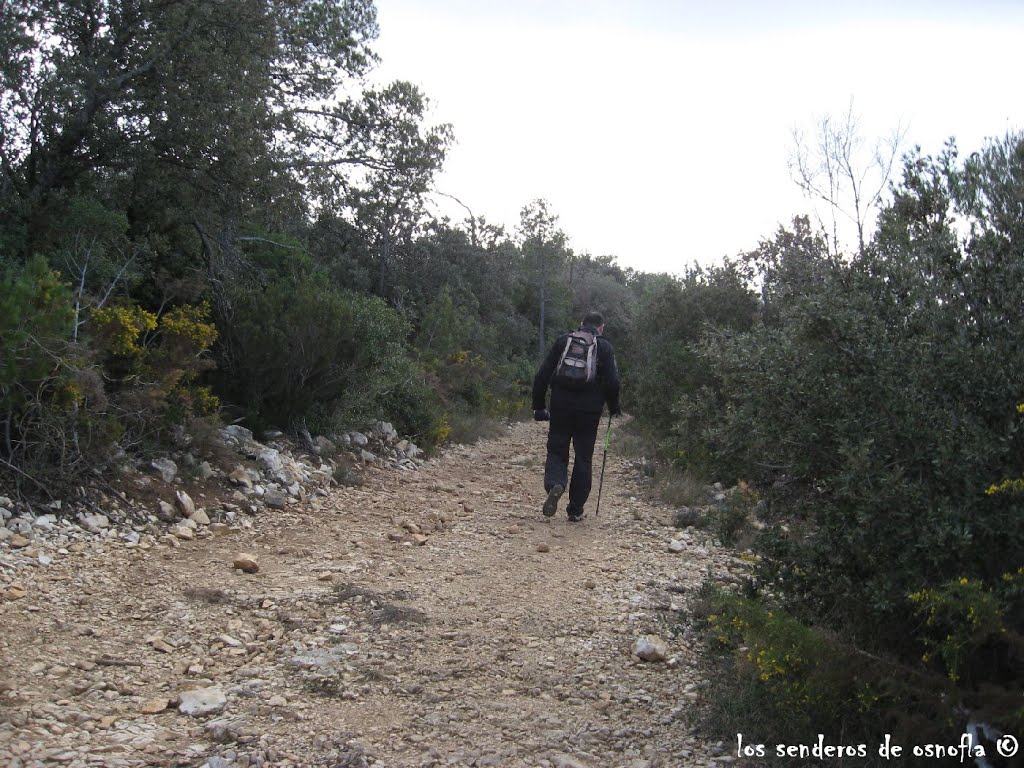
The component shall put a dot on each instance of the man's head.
(594, 320)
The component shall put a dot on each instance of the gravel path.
(428, 618)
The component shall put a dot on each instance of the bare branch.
(840, 173)
(270, 242)
(22, 473)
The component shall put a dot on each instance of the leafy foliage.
(301, 349)
(871, 400)
(675, 316)
(52, 404)
(778, 680)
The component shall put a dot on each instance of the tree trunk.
(540, 338)
(385, 255)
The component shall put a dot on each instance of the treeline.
(870, 405)
(209, 214)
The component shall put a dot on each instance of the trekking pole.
(600, 485)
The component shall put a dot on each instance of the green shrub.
(872, 403)
(52, 404)
(411, 405)
(963, 617)
(730, 520)
(302, 352)
(478, 381)
(152, 366)
(675, 315)
(35, 325)
(778, 680)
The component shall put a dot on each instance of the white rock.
(200, 517)
(166, 468)
(324, 446)
(564, 761)
(676, 546)
(650, 648)
(270, 460)
(21, 525)
(275, 500)
(95, 522)
(236, 432)
(202, 701)
(185, 504)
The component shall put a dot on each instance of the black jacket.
(604, 388)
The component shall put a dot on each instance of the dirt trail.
(493, 636)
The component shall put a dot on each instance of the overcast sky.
(659, 131)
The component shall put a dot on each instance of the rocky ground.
(428, 617)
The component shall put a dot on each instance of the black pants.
(579, 428)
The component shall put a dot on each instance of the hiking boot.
(551, 502)
(575, 515)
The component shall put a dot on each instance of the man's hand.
(542, 415)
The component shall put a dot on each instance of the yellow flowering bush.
(959, 617)
(777, 676)
(152, 362)
(190, 324)
(440, 432)
(121, 330)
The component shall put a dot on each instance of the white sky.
(659, 131)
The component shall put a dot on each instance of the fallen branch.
(107, 661)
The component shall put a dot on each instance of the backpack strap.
(561, 358)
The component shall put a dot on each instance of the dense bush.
(872, 403)
(781, 681)
(479, 379)
(300, 351)
(45, 380)
(72, 385)
(152, 367)
(663, 362)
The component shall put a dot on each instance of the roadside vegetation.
(209, 220)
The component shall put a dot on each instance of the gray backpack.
(577, 366)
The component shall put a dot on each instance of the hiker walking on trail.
(580, 368)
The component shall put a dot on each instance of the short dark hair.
(593, 319)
